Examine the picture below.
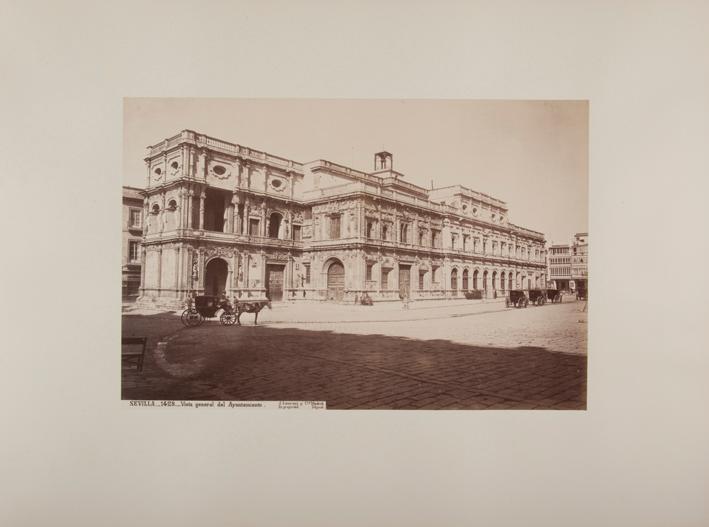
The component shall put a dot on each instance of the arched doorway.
(454, 279)
(336, 281)
(484, 280)
(475, 279)
(215, 276)
(465, 279)
(502, 280)
(494, 280)
(274, 225)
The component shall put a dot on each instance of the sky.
(531, 154)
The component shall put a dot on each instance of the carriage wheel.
(227, 319)
(190, 318)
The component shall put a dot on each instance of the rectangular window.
(254, 227)
(436, 235)
(385, 278)
(307, 273)
(296, 233)
(136, 218)
(334, 227)
(369, 271)
(370, 229)
(134, 251)
(422, 275)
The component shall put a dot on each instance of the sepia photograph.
(356, 254)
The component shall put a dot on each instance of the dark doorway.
(274, 282)
(336, 281)
(215, 277)
(274, 225)
(405, 279)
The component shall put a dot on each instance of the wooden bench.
(133, 350)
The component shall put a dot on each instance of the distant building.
(568, 264)
(225, 218)
(132, 238)
(579, 261)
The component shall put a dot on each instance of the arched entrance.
(454, 279)
(336, 281)
(475, 279)
(465, 279)
(215, 276)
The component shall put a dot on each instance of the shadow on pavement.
(262, 363)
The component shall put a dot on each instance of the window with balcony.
(254, 227)
(436, 238)
(404, 233)
(134, 251)
(335, 227)
(136, 218)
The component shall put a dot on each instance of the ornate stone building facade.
(221, 217)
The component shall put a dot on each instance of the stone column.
(236, 224)
(203, 164)
(202, 197)
(201, 270)
(245, 265)
(288, 278)
(190, 205)
(245, 221)
(178, 270)
(159, 282)
(264, 232)
(142, 270)
(146, 216)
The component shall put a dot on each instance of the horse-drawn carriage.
(553, 296)
(204, 306)
(517, 298)
(537, 297)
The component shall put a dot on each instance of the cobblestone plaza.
(453, 355)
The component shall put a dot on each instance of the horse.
(250, 307)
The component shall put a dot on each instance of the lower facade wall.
(172, 272)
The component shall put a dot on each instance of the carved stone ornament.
(278, 184)
(219, 171)
(219, 251)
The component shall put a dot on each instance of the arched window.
(172, 205)
(454, 279)
(465, 279)
(156, 208)
(475, 279)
